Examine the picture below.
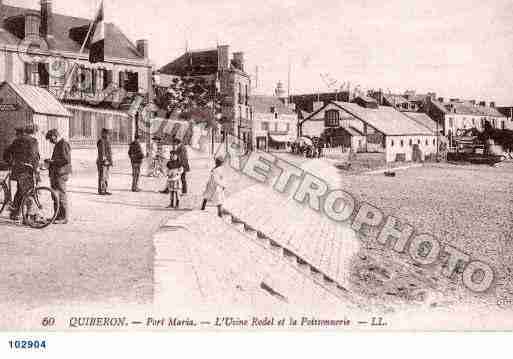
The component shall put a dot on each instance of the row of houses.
(100, 94)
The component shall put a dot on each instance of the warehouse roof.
(423, 119)
(385, 119)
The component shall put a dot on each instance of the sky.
(458, 49)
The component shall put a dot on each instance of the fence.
(335, 152)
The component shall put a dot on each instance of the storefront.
(22, 105)
(280, 142)
(87, 123)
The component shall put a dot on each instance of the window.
(332, 118)
(246, 95)
(240, 94)
(418, 142)
(451, 122)
(287, 127)
(434, 142)
(276, 115)
(503, 125)
(31, 74)
(132, 82)
(86, 124)
(265, 126)
(473, 122)
(273, 109)
(402, 143)
(101, 80)
(44, 76)
(392, 143)
(410, 142)
(427, 142)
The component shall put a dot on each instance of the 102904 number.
(27, 344)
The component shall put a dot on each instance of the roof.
(424, 120)
(352, 131)
(304, 114)
(385, 119)
(38, 99)
(117, 45)
(200, 62)
(367, 99)
(395, 99)
(467, 108)
(263, 104)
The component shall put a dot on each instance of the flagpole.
(82, 48)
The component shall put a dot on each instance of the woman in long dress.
(216, 185)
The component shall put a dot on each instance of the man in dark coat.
(59, 167)
(183, 158)
(24, 151)
(104, 163)
(136, 157)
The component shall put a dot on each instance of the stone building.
(39, 48)
(229, 76)
(274, 123)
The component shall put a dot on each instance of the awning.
(96, 110)
(168, 129)
(281, 138)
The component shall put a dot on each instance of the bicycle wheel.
(5, 196)
(40, 208)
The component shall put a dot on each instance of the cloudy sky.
(455, 48)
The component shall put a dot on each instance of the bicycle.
(157, 167)
(39, 205)
(6, 188)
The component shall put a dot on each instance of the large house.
(234, 84)
(456, 116)
(39, 47)
(367, 127)
(274, 122)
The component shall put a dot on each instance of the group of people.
(24, 160)
(311, 151)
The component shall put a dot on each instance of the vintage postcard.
(227, 165)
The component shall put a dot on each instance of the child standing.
(214, 191)
(174, 184)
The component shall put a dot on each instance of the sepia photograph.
(274, 165)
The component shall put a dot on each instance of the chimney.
(32, 24)
(492, 104)
(46, 18)
(223, 57)
(143, 48)
(238, 58)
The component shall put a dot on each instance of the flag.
(97, 39)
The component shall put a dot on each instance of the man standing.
(183, 158)
(59, 167)
(136, 157)
(8, 156)
(24, 151)
(104, 163)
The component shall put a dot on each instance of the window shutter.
(94, 81)
(122, 79)
(28, 73)
(108, 78)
